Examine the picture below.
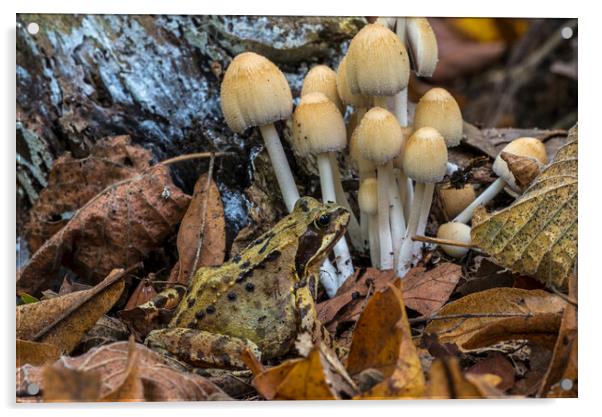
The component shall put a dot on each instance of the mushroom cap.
(322, 79)
(345, 94)
(363, 166)
(454, 231)
(318, 126)
(254, 93)
(438, 109)
(377, 62)
(455, 200)
(423, 45)
(526, 147)
(425, 156)
(367, 196)
(406, 132)
(379, 136)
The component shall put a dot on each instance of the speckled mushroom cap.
(322, 79)
(425, 156)
(367, 196)
(377, 62)
(423, 45)
(525, 146)
(318, 126)
(379, 136)
(345, 94)
(457, 231)
(439, 110)
(254, 93)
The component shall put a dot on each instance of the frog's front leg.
(201, 348)
(309, 322)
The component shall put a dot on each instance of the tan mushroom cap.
(379, 136)
(423, 45)
(525, 146)
(254, 93)
(345, 94)
(439, 110)
(322, 79)
(377, 62)
(457, 231)
(367, 196)
(425, 156)
(318, 126)
(455, 200)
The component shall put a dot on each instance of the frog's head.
(324, 225)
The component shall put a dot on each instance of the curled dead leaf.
(117, 228)
(62, 321)
(382, 340)
(319, 376)
(523, 168)
(486, 317)
(124, 371)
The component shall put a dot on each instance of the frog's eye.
(323, 221)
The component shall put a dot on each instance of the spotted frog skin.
(262, 298)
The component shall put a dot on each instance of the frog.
(262, 299)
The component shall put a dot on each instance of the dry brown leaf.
(563, 364)
(486, 317)
(35, 353)
(523, 168)
(446, 381)
(497, 364)
(144, 292)
(63, 384)
(117, 228)
(319, 376)
(382, 340)
(72, 182)
(121, 369)
(62, 321)
(427, 291)
(537, 234)
(424, 291)
(208, 232)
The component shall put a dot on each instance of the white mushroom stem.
(373, 237)
(483, 198)
(329, 278)
(286, 182)
(425, 208)
(400, 29)
(341, 250)
(353, 227)
(406, 192)
(404, 259)
(401, 107)
(384, 228)
(397, 219)
(365, 229)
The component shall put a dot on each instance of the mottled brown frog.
(262, 298)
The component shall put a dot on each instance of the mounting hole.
(33, 28)
(566, 32)
(566, 384)
(33, 389)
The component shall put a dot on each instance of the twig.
(200, 239)
(565, 297)
(438, 241)
(468, 316)
(110, 280)
(198, 155)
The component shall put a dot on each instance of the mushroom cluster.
(398, 161)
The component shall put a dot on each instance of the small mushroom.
(322, 79)
(367, 199)
(458, 232)
(254, 92)
(422, 43)
(438, 109)
(319, 129)
(425, 161)
(357, 101)
(525, 147)
(454, 200)
(379, 140)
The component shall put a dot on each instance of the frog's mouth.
(316, 244)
